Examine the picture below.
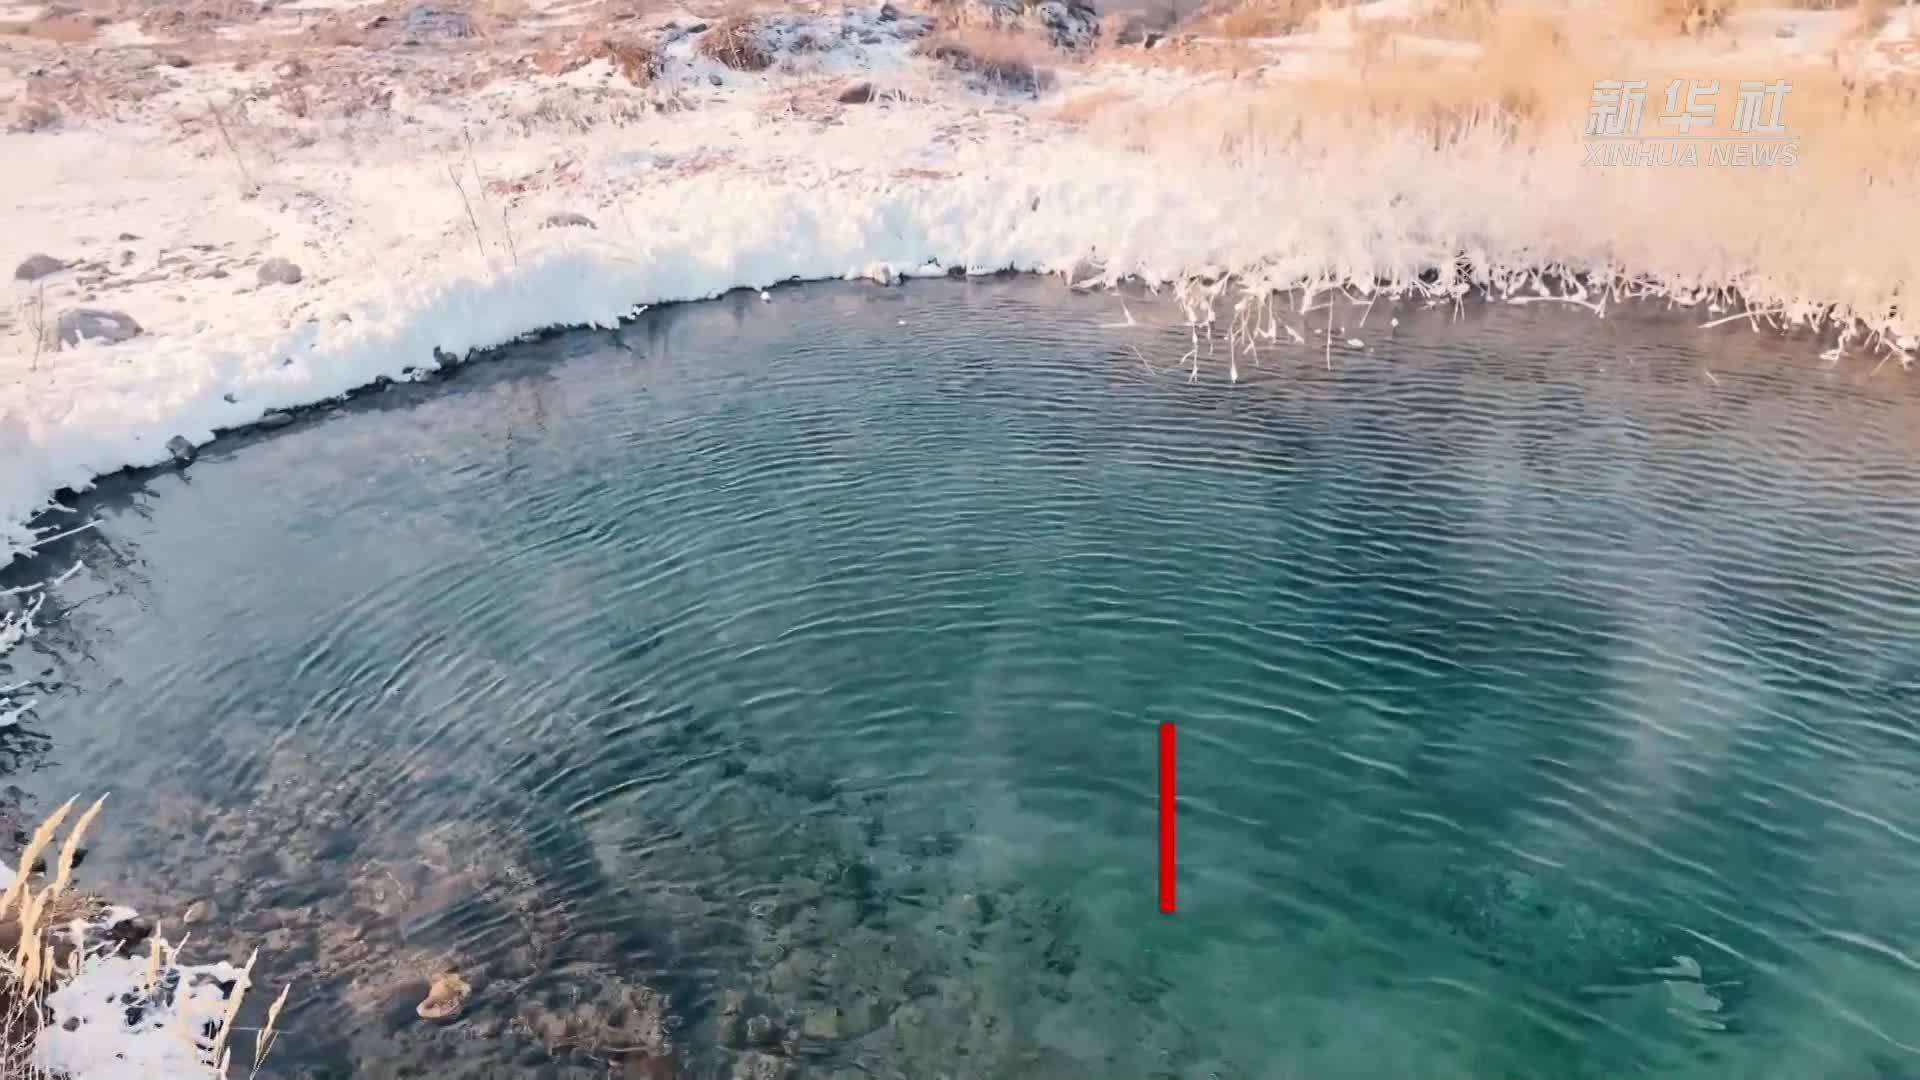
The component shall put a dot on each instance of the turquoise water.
(771, 689)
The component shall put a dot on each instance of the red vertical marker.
(1166, 817)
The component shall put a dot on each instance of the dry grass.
(33, 967)
(1431, 128)
(1694, 18)
(639, 62)
(39, 953)
(735, 42)
(197, 16)
(61, 29)
(36, 113)
(1872, 16)
(1083, 108)
(1459, 20)
(1689, 18)
(1011, 59)
(1262, 18)
(1534, 76)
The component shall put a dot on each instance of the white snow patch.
(166, 1038)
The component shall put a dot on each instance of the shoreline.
(450, 223)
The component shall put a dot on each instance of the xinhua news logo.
(1689, 133)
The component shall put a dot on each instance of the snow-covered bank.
(439, 223)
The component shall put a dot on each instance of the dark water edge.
(449, 676)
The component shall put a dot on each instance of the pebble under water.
(771, 689)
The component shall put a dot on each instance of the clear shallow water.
(774, 686)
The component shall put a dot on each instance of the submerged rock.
(36, 266)
(95, 324)
(278, 271)
(762, 1031)
(761, 1067)
(445, 998)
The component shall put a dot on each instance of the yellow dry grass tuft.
(1012, 59)
(1264, 18)
(735, 42)
(36, 961)
(60, 29)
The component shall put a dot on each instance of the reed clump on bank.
(44, 947)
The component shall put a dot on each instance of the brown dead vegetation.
(735, 42)
(1082, 108)
(197, 16)
(1010, 59)
(63, 28)
(638, 61)
(1260, 18)
(1532, 78)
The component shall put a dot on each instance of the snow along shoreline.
(445, 230)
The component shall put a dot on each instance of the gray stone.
(182, 450)
(95, 324)
(430, 21)
(761, 1067)
(200, 910)
(1071, 24)
(822, 1023)
(36, 266)
(855, 93)
(568, 219)
(278, 271)
(175, 60)
(762, 1031)
(275, 420)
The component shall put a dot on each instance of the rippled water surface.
(771, 689)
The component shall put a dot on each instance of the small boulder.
(175, 60)
(822, 1024)
(445, 998)
(36, 266)
(855, 93)
(568, 219)
(95, 324)
(428, 22)
(888, 13)
(200, 910)
(275, 420)
(761, 1067)
(762, 1031)
(182, 450)
(278, 271)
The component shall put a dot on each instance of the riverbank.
(275, 206)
